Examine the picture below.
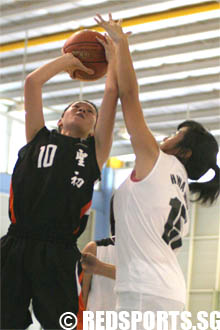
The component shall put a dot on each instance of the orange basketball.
(89, 51)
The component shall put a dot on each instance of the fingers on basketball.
(90, 51)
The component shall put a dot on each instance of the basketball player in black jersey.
(50, 196)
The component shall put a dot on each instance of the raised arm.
(144, 144)
(106, 116)
(34, 119)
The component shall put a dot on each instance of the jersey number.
(173, 227)
(46, 155)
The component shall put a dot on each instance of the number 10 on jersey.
(46, 155)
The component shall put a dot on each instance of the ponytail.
(204, 149)
(207, 192)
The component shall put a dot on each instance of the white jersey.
(102, 296)
(151, 218)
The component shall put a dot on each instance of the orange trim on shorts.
(81, 305)
(85, 208)
(11, 204)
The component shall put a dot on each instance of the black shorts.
(48, 273)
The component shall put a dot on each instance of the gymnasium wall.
(200, 259)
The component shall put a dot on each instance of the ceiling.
(174, 45)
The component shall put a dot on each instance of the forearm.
(110, 97)
(86, 283)
(106, 270)
(126, 77)
(41, 75)
(111, 79)
(106, 117)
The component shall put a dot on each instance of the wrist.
(111, 62)
(122, 39)
(64, 62)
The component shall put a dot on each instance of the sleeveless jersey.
(52, 183)
(102, 296)
(151, 218)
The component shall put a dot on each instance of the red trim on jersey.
(133, 176)
(76, 230)
(81, 305)
(85, 208)
(11, 204)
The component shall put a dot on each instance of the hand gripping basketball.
(85, 46)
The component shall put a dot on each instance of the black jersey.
(52, 182)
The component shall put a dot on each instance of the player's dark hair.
(204, 148)
(94, 106)
(112, 218)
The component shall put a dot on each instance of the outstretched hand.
(113, 28)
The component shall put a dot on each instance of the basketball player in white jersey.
(151, 206)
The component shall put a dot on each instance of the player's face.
(80, 114)
(169, 143)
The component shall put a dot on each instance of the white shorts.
(133, 301)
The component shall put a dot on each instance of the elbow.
(31, 81)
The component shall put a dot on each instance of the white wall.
(200, 259)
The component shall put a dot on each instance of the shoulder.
(170, 163)
(174, 163)
(162, 166)
(165, 159)
(172, 168)
(90, 141)
(43, 132)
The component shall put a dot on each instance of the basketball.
(89, 51)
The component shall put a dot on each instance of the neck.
(74, 134)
